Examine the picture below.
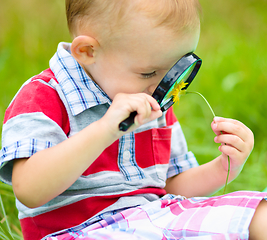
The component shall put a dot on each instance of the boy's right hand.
(123, 105)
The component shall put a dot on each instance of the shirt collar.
(80, 91)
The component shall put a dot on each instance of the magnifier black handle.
(128, 122)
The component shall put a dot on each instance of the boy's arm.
(50, 172)
(236, 142)
(198, 181)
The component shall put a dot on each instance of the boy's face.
(140, 59)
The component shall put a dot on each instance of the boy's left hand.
(236, 140)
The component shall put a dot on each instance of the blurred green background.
(233, 76)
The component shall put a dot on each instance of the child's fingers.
(233, 147)
(232, 126)
(147, 108)
(231, 140)
(230, 151)
(236, 139)
(226, 125)
(236, 157)
(123, 105)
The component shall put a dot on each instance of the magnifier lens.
(182, 78)
(184, 70)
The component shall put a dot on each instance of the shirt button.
(126, 155)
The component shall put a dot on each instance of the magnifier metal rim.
(175, 72)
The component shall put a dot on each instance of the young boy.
(70, 165)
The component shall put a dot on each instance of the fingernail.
(217, 118)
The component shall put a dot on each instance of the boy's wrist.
(234, 171)
(109, 134)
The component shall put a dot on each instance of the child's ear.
(84, 48)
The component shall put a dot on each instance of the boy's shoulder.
(39, 95)
(47, 75)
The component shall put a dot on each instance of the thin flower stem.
(228, 171)
(205, 101)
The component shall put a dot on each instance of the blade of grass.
(4, 234)
(8, 230)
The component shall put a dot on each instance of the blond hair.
(107, 18)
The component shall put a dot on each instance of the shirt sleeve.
(181, 159)
(35, 120)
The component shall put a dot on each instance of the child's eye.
(148, 75)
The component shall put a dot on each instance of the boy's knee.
(258, 225)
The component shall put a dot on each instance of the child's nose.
(151, 88)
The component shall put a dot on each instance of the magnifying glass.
(184, 70)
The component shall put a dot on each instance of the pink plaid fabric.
(174, 217)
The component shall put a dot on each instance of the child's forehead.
(144, 33)
(156, 48)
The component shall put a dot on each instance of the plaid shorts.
(175, 217)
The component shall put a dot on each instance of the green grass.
(233, 77)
